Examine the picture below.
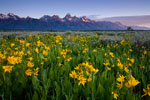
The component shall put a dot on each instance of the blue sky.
(102, 8)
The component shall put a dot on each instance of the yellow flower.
(30, 64)
(73, 74)
(89, 79)
(59, 64)
(77, 67)
(21, 53)
(69, 58)
(115, 94)
(111, 54)
(120, 65)
(107, 63)
(130, 50)
(36, 50)
(122, 42)
(18, 60)
(94, 50)
(11, 60)
(2, 56)
(84, 50)
(132, 60)
(108, 68)
(58, 57)
(96, 70)
(28, 52)
(120, 78)
(12, 44)
(42, 63)
(45, 59)
(119, 85)
(45, 53)
(28, 72)
(106, 55)
(7, 68)
(27, 44)
(82, 80)
(126, 69)
(145, 52)
(35, 71)
(131, 82)
(30, 58)
(113, 66)
(146, 91)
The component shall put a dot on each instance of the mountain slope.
(14, 22)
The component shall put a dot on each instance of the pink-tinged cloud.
(126, 20)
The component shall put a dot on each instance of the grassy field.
(137, 36)
(92, 65)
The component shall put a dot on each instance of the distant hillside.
(14, 22)
(143, 20)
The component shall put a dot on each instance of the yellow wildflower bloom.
(89, 79)
(120, 78)
(18, 60)
(94, 50)
(21, 53)
(11, 60)
(119, 85)
(69, 58)
(82, 80)
(30, 58)
(146, 91)
(45, 53)
(12, 44)
(28, 72)
(108, 68)
(7, 68)
(145, 52)
(36, 50)
(59, 64)
(73, 74)
(126, 69)
(45, 59)
(111, 54)
(27, 44)
(131, 82)
(120, 65)
(30, 64)
(132, 60)
(28, 52)
(35, 71)
(115, 94)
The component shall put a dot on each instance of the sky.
(92, 8)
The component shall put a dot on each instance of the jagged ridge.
(14, 22)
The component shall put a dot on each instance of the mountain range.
(46, 22)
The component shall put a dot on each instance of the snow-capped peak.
(68, 17)
(2, 16)
(13, 16)
(85, 19)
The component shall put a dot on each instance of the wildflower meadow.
(59, 67)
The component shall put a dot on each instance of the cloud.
(143, 20)
(94, 17)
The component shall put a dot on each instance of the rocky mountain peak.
(68, 17)
(85, 19)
